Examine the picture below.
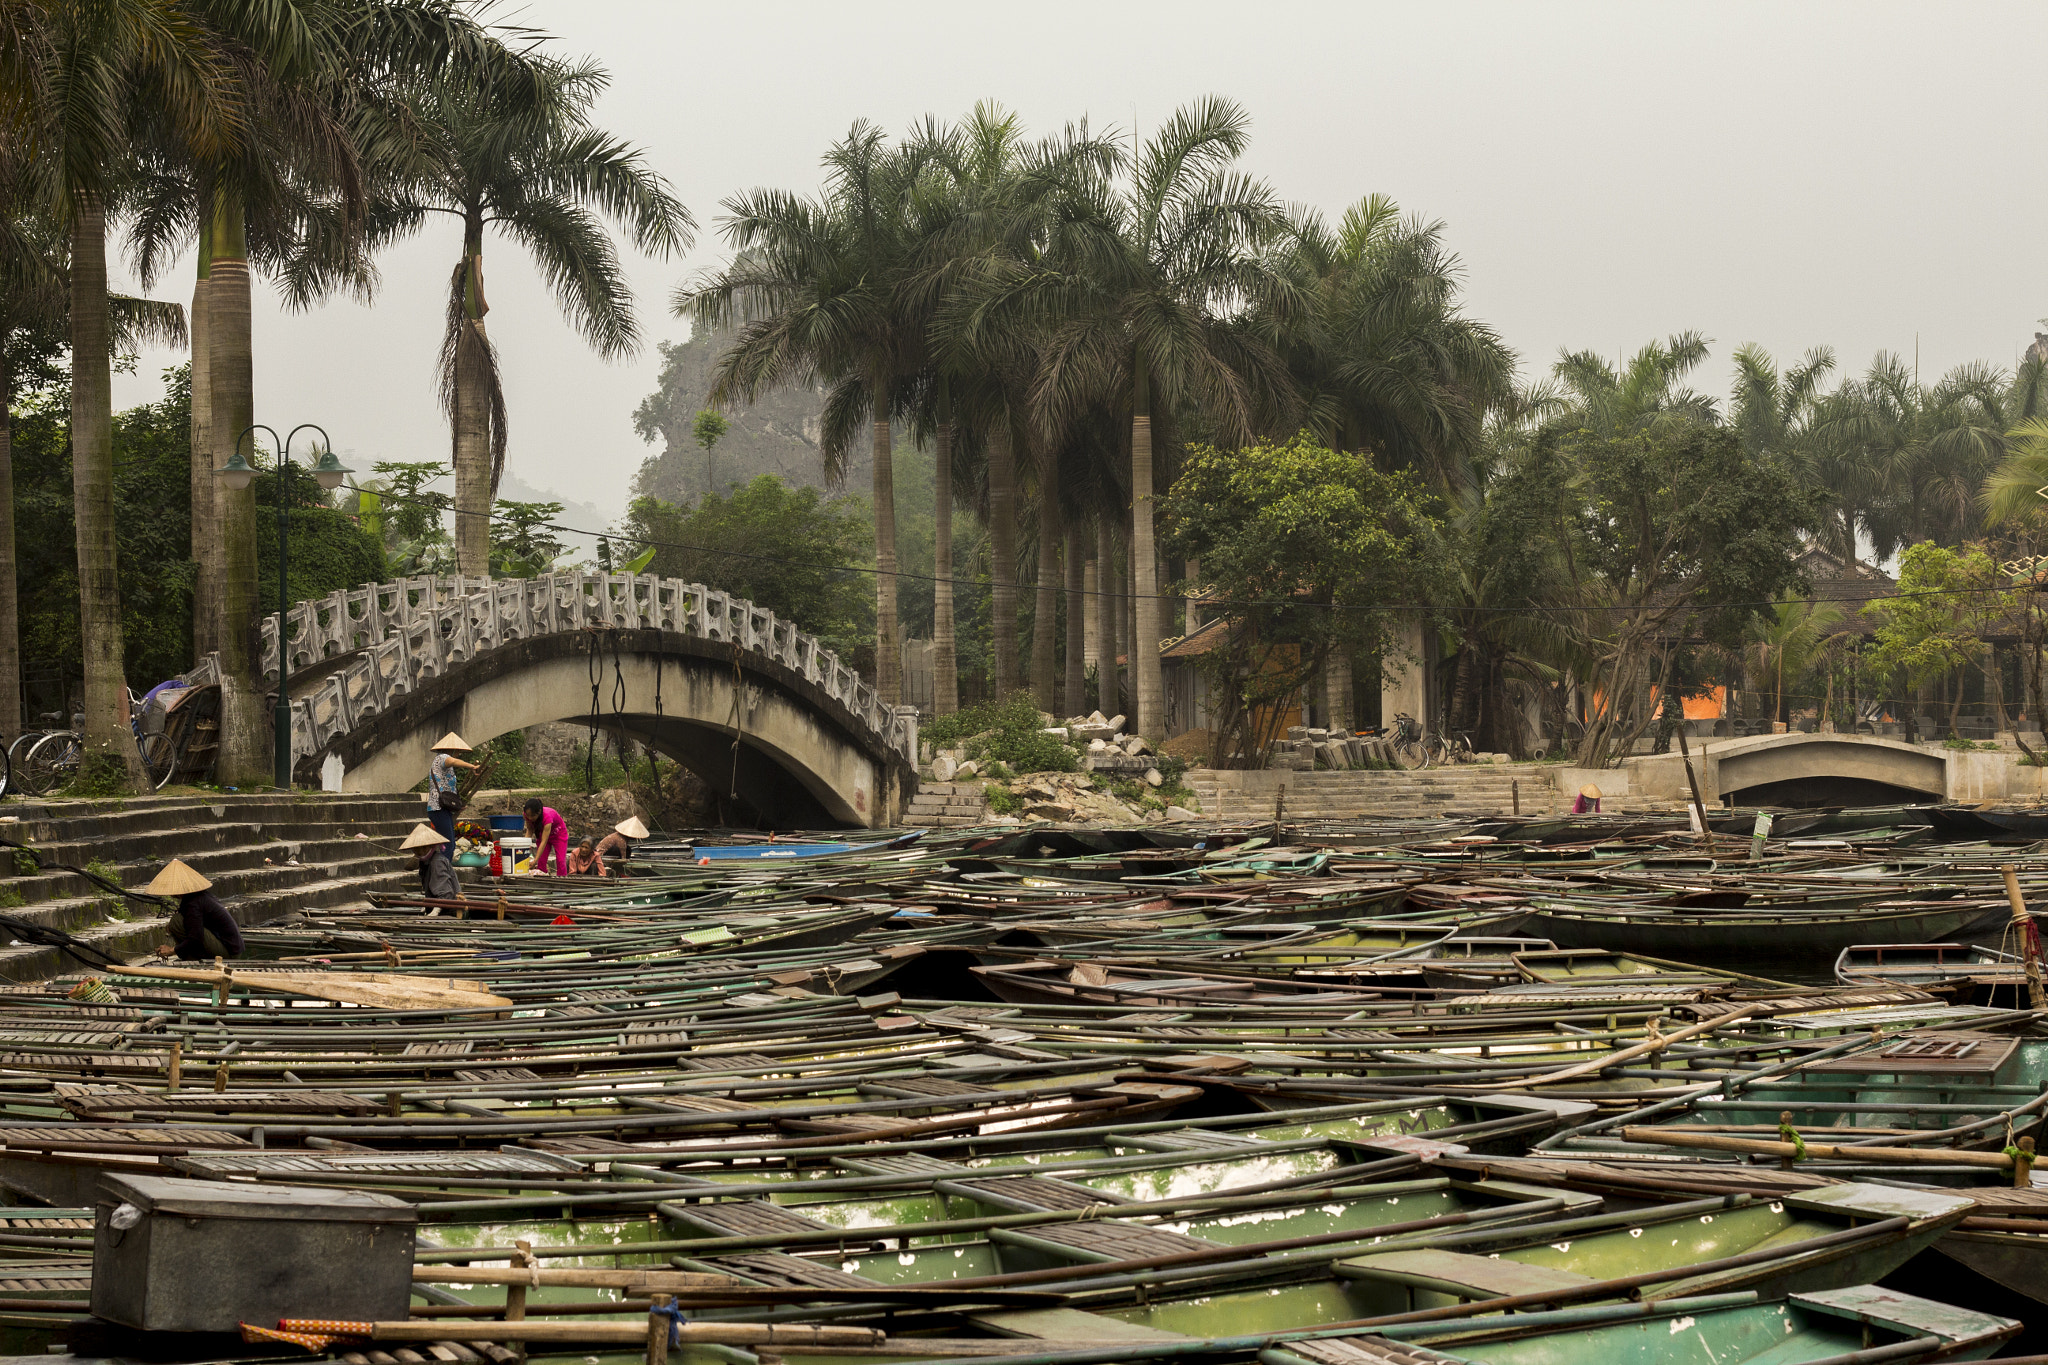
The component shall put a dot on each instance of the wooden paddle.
(379, 990)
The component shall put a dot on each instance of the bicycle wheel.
(159, 758)
(52, 762)
(17, 752)
(1409, 753)
(6, 774)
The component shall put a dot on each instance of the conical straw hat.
(422, 836)
(631, 827)
(1590, 792)
(450, 743)
(177, 879)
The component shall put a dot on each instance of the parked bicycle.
(54, 759)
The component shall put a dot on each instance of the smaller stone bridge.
(750, 702)
(1823, 769)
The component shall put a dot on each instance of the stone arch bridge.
(1830, 769)
(378, 673)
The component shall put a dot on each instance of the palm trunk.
(1127, 628)
(1045, 613)
(1146, 683)
(206, 488)
(1091, 590)
(245, 727)
(1074, 696)
(10, 607)
(1002, 536)
(888, 630)
(472, 417)
(946, 664)
(1106, 580)
(92, 492)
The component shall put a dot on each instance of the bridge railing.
(398, 635)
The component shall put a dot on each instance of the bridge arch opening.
(1828, 790)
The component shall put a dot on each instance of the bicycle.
(54, 759)
(1410, 746)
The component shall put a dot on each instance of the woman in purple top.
(550, 834)
(1588, 802)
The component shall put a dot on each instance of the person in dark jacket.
(437, 873)
(201, 927)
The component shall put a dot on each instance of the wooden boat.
(1927, 964)
(1855, 1324)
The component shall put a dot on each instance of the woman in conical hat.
(1588, 802)
(437, 874)
(619, 843)
(201, 927)
(444, 788)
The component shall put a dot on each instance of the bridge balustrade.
(391, 638)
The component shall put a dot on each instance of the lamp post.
(237, 474)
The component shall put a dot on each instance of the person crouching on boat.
(201, 926)
(1588, 802)
(550, 835)
(437, 874)
(586, 861)
(619, 843)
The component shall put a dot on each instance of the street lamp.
(238, 474)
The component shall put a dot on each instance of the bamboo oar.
(1678, 1137)
(716, 1333)
(346, 988)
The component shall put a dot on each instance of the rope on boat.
(739, 684)
(28, 931)
(590, 751)
(156, 902)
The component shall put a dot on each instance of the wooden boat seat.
(69, 1136)
(781, 1268)
(1189, 1140)
(89, 1102)
(1067, 1325)
(917, 1087)
(1366, 1351)
(21, 1279)
(285, 1164)
(1029, 1193)
(1115, 1241)
(743, 1218)
(1460, 1274)
(907, 1164)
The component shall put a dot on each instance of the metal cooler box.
(173, 1255)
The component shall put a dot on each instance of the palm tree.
(76, 79)
(1782, 646)
(1645, 393)
(1383, 359)
(524, 160)
(1777, 414)
(1134, 294)
(819, 290)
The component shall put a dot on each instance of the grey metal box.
(204, 1255)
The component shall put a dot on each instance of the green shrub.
(1002, 801)
(1008, 732)
(25, 864)
(10, 899)
(100, 774)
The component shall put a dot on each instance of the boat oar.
(425, 993)
(1597, 1064)
(1719, 1142)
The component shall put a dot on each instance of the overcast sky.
(1862, 176)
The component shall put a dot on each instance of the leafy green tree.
(706, 429)
(1295, 538)
(787, 549)
(523, 545)
(1668, 533)
(1783, 646)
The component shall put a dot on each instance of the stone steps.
(267, 854)
(944, 804)
(1465, 790)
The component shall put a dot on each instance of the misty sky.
(1849, 175)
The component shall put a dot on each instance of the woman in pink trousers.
(550, 835)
